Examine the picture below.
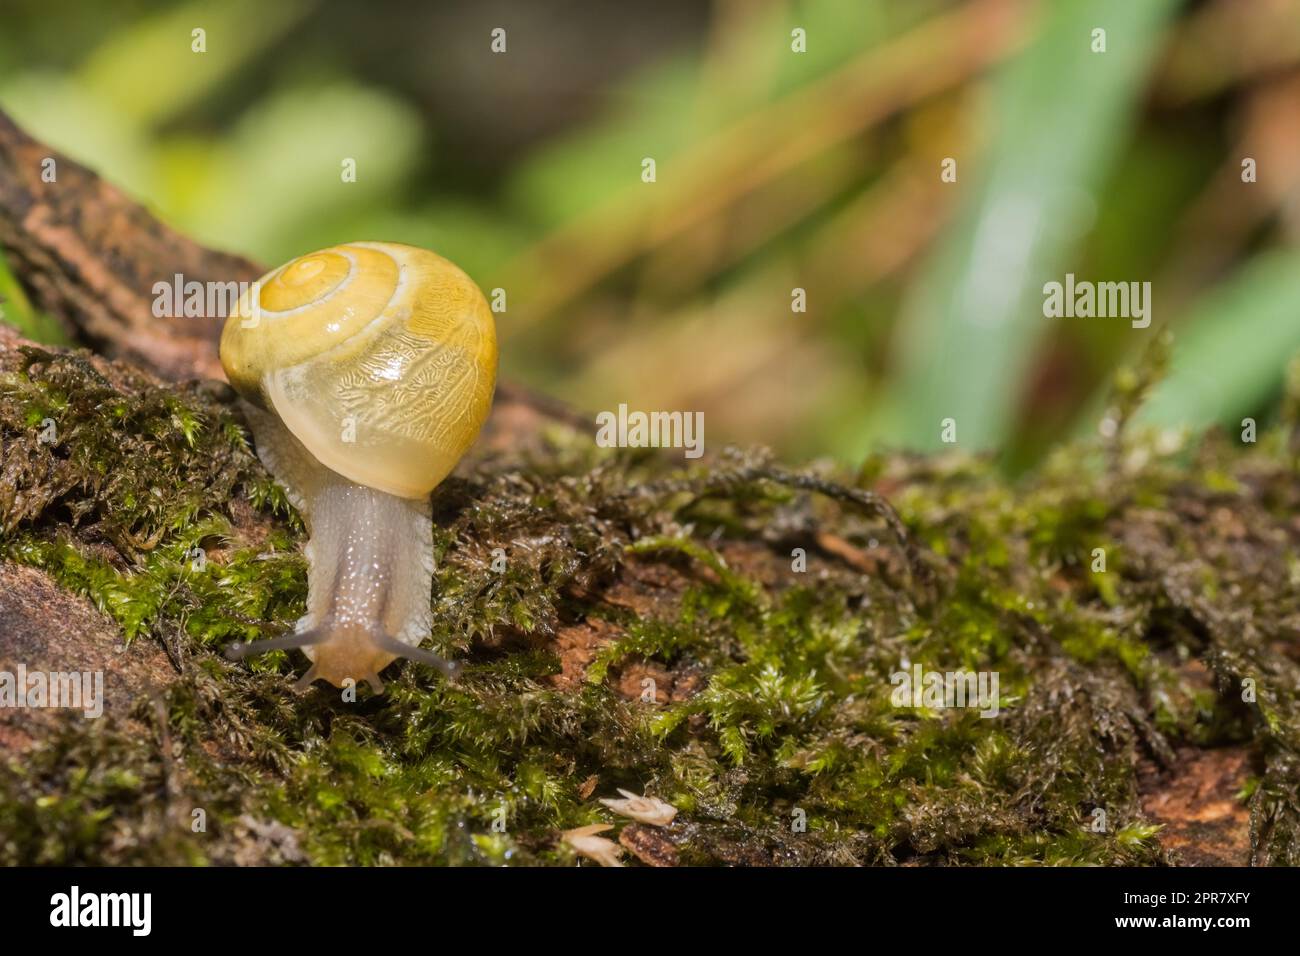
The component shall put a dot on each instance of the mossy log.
(723, 635)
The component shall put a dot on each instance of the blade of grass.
(1230, 352)
(1059, 113)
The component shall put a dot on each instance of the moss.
(770, 725)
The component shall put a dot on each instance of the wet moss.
(754, 696)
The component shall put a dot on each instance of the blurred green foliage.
(775, 170)
(976, 315)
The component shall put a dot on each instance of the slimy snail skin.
(367, 370)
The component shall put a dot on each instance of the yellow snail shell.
(379, 357)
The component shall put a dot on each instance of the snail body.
(367, 371)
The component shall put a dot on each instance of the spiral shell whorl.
(380, 358)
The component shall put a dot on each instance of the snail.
(366, 370)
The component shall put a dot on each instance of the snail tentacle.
(241, 649)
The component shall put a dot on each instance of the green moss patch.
(718, 669)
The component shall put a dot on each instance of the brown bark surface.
(90, 256)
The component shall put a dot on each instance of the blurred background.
(775, 170)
